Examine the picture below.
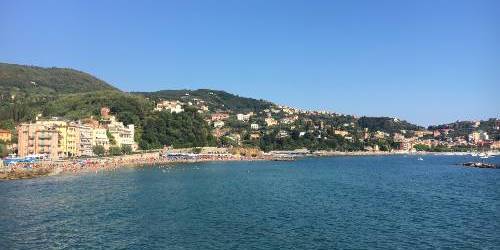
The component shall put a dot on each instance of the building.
(483, 136)
(289, 119)
(342, 133)
(219, 132)
(380, 135)
(475, 137)
(271, 122)
(86, 140)
(203, 108)
(436, 133)
(172, 106)
(37, 139)
(405, 145)
(254, 126)
(123, 135)
(282, 134)
(218, 124)
(219, 116)
(397, 137)
(5, 135)
(243, 117)
(422, 133)
(254, 136)
(105, 112)
(69, 136)
(100, 138)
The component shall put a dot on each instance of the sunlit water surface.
(315, 203)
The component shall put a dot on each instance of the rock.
(479, 165)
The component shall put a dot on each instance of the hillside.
(214, 99)
(32, 80)
(386, 124)
(464, 128)
(77, 95)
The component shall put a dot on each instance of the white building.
(124, 135)
(218, 124)
(282, 134)
(172, 106)
(243, 117)
(254, 126)
(85, 140)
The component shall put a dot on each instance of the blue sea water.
(373, 202)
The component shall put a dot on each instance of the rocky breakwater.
(480, 165)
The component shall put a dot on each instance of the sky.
(425, 61)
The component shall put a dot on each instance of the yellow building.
(5, 135)
(342, 133)
(69, 136)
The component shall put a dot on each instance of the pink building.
(37, 139)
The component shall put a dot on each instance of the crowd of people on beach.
(47, 167)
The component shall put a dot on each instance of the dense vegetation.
(27, 91)
(215, 99)
(186, 129)
(21, 79)
(464, 128)
(386, 124)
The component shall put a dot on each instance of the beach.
(48, 167)
(97, 164)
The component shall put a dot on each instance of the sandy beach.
(97, 164)
(45, 168)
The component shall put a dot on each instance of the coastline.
(98, 164)
(71, 166)
(385, 153)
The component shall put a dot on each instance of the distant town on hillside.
(64, 113)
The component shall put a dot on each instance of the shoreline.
(98, 164)
(72, 166)
(386, 153)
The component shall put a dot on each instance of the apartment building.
(35, 139)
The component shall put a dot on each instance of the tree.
(126, 149)
(186, 129)
(115, 151)
(3, 150)
(421, 147)
(98, 150)
(197, 150)
(111, 138)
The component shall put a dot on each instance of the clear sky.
(426, 61)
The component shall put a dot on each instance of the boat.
(484, 155)
(420, 159)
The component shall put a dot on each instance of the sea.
(361, 202)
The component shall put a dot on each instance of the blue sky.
(424, 61)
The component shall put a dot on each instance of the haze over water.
(315, 203)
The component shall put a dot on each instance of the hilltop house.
(271, 122)
(172, 106)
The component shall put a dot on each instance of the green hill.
(214, 99)
(75, 95)
(32, 80)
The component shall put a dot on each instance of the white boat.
(420, 159)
